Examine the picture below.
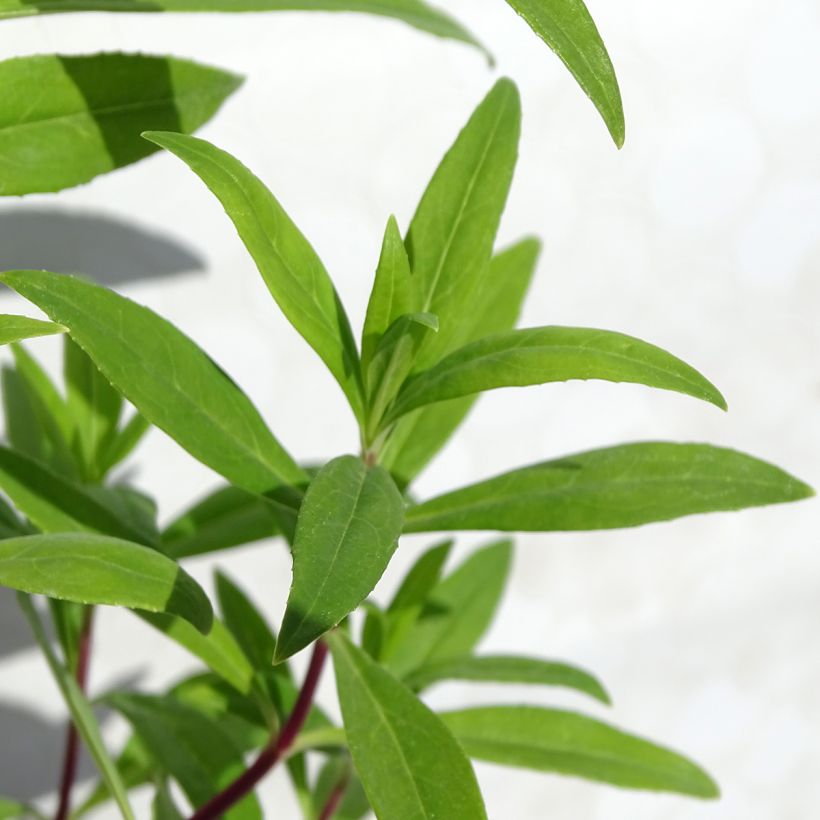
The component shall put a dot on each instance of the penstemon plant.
(421, 361)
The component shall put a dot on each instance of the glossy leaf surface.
(347, 531)
(409, 764)
(557, 741)
(94, 569)
(66, 119)
(167, 377)
(607, 489)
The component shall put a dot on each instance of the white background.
(701, 236)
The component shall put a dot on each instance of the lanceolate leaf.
(17, 328)
(169, 379)
(414, 12)
(450, 240)
(409, 764)
(245, 622)
(507, 669)
(94, 569)
(293, 272)
(519, 358)
(124, 442)
(66, 119)
(606, 489)
(457, 612)
(416, 438)
(556, 741)
(191, 747)
(347, 531)
(567, 28)
(80, 710)
(228, 517)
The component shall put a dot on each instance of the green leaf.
(556, 741)
(606, 489)
(568, 29)
(87, 114)
(409, 600)
(14, 810)
(190, 746)
(95, 569)
(337, 773)
(413, 12)
(416, 438)
(55, 504)
(391, 295)
(124, 442)
(228, 517)
(409, 763)
(519, 358)
(457, 612)
(347, 531)
(392, 362)
(166, 376)
(163, 807)
(507, 669)
(292, 270)
(80, 709)
(245, 622)
(17, 328)
(218, 650)
(93, 405)
(450, 240)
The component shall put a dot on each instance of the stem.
(72, 743)
(275, 750)
(335, 798)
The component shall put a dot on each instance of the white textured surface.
(702, 236)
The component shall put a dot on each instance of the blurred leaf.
(293, 272)
(347, 531)
(337, 773)
(606, 489)
(519, 358)
(163, 807)
(14, 810)
(80, 710)
(245, 622)
(95, 569)
(124, 442)
(450, 240)
(567, 28)
(228, 517)
(457, 612)
(190, 746)
(556, 741)
(167, 377)
(88, 112)
(17, 328)
(409, 764)
(507, 669)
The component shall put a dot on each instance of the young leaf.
(245, 622)
(347, 531)
(568, 29)
(416, 13)
(416, 438)
(391, 295)
(556, 741)
(166, 376)
(293, 272)
(17, 328)
(124, 442)
(94, 569)
(507, 669)
(606, 489)
(55, 504)
(88, 112)
(218, 650)
(409, 764)
(450, 240)
(93, 405)
(191, 747)
(519, 358)
(228, 517)
(457, 612)
(80, 710)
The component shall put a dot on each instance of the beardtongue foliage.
(424, 358)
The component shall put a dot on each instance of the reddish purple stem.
(275, 750)
(72, 742)
(334, 800)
